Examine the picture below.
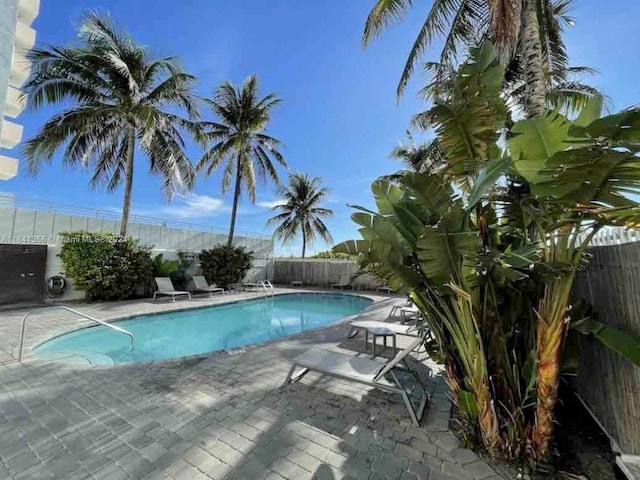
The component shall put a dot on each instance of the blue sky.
(339, 119)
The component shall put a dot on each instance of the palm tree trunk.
(550, 336)
(304, 242)
(236, 197)
(535, 89)
(128, 182)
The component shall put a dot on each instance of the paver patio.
(220, 416)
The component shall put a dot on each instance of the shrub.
(186, 268)
(162, 267)
(225, 265)
(104, 266)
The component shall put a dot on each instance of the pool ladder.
(80, 314)
(267, 287)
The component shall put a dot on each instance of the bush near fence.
(320, 272)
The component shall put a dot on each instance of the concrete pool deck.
(224, 415)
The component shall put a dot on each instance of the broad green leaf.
(432, 192)
(535, 140)
(619, 127)
(467, 402)
(486, 178)
(385, 194)
(625, 344)
(364, 219)
(441, 254)
(591, 112)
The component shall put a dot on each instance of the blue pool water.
(196, 331)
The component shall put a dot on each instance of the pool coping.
(377, 300)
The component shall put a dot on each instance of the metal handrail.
(265, 284)
(84, 315)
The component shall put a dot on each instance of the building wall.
(8, 17)
(17, 37)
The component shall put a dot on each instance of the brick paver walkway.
(222, 416)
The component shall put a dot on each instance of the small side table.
(375, 333)
(406, 313)
(296, 283)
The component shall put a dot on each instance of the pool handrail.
(266, 285)
(84, 315)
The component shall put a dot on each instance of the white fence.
(29, 221)
(32, 222)
(320, 272)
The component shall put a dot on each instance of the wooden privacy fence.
(610, 384)
(319, 272)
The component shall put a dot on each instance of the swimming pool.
(202, 330)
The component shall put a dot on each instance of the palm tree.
(422, 157)
(301, 211)
(117, 95)
(241, 143)
(527, 35)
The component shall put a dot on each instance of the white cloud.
(271, 204)
(193, 205)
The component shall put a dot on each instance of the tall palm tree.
(418, 157)
(117, 95)
(527, 35)
(240, 141)
(301, 211)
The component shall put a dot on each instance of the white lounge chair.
(398, 329)
(384, 288)
(400, 375)
(201, 285)
(343, 282)
(165, 287)
(248, 285)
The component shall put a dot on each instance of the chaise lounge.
(165, 287)
(201, 285)
(400, 375)
(343, 282)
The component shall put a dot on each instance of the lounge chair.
(398, 329)
(396, 307)
(384, 288)
(201, 285)
(400, 375)
(247, 285)
(343, 282)
(165, 287)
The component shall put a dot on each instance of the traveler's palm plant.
(115, 99)
(492, 271)
(301, 211)
(240, 143)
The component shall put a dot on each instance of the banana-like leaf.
(385, 194)
(442, 254)
(535, 140)
(486, 179)
(592, 174)
(621, 342)
(618, 128)
(433, 193)
(591, 111)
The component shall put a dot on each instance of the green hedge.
(105, 266)
(224, 265)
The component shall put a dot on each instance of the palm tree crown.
(301, 211)
(117, 95)
(239, 140)
(523, 31)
